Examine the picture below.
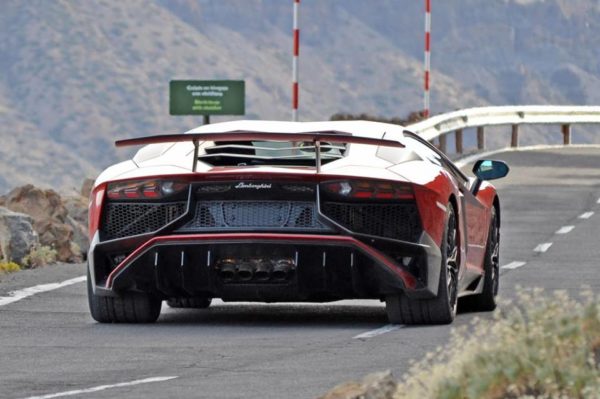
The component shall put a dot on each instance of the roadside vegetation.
(541, 346)
(40, 255)
(8, 267)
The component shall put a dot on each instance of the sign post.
(207, 97)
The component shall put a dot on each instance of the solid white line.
(102, 388)
(586, 215)
(379, 331)
(513, 265)
(564, 230)
(543, 247)
(15, 296)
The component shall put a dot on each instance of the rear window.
(277, 153)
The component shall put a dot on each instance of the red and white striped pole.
(426, 95)
(295, 62)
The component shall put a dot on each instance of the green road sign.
(207, 97)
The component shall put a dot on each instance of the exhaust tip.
(263, 270)
(283, 269)
(227, 269)
(245, 271)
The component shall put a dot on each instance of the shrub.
(9, 267)
(40, 255)
(544, 347)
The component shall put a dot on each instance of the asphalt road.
(49, 344)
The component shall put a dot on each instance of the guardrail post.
(458, 135)
(514, 139)
(480, 138)
(443, 143)
(566, 131)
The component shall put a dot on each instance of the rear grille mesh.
(397, 221)
(223, 215)
(125, 219)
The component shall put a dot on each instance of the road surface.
(50, 346)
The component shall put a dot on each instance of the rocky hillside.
(76, 75)
(40, 226)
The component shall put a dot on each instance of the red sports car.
(289, 212)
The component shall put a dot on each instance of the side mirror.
(489, 170)
(486, 169)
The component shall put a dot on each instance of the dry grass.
(39, 256)
(541, 347)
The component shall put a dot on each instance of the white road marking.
(564, 230)
(15, 296)
(586, 215)
(598, 202)
(379, 331)
(102, 387)
(543, 247)
(513, 265)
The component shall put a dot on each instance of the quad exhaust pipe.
(255, 270)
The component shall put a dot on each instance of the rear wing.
(316, 138)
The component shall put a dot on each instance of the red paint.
(409, 281)
(428, 6)
(427, 82)
(95, 209)
(295, 95)
(427, 41)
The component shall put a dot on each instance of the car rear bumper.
(323, 267)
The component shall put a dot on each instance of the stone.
(86, 188)
(17, 235)
(51, 220)
(78, 220)
(374, 386)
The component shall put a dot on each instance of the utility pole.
(426, 94)
(295, 63)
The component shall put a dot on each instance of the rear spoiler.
(330, 136)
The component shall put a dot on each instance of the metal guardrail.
(439, 126)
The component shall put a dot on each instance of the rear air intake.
(123, 219)
(399, 221)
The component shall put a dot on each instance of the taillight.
(365, 189)
(144, 189)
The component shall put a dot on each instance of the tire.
(439, 310)
(189, 303)
(486, 301)
(131, 307)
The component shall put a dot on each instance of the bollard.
(566, 131)
(458, 135)
(443, 143)
(480, 138)
(514, 139)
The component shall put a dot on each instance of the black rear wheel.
(131, 307)
(441, 309)
(486, 301)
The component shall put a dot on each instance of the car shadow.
(274, 315)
